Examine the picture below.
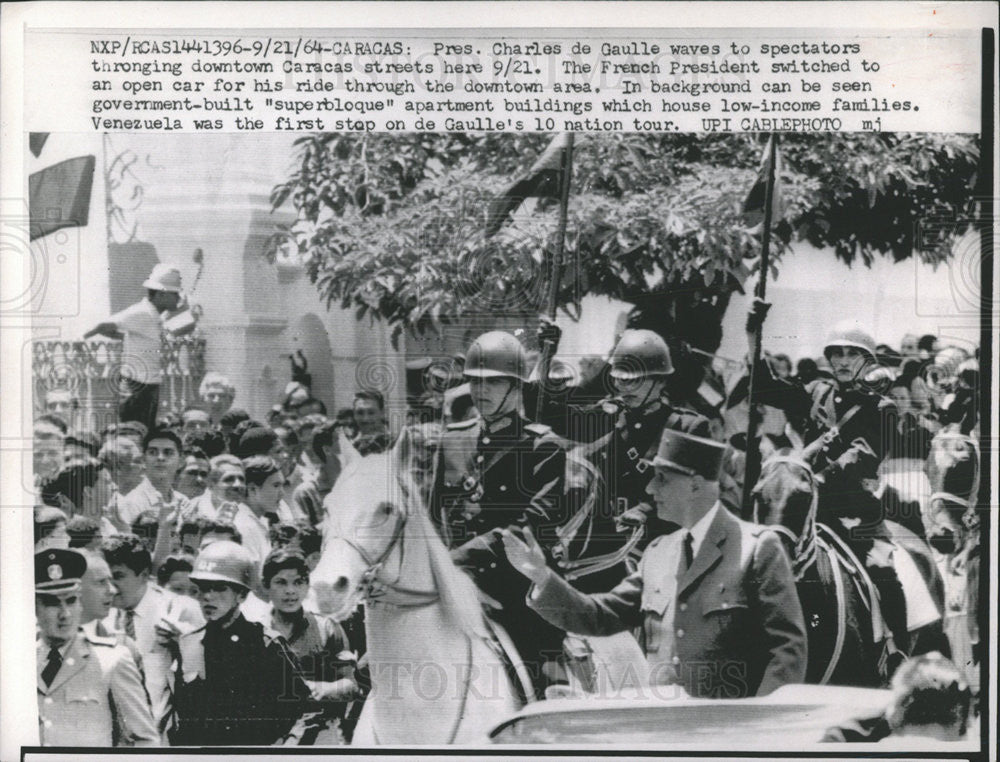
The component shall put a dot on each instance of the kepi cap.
(58, 570)
(690, 454)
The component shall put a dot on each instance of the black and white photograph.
(521, 426)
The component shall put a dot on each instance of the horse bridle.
(376, 588)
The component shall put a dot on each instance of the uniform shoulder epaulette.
(538, 428)
(462, 425)
(656, 541)
(101, 640)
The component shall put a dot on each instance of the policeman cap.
(640, 353)
(224, 561)
(496, 354)
(58, 570)
(689, 454)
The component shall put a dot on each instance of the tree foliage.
(393, 225)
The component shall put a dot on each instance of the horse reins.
(376, 588)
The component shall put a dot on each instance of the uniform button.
(838, 398)
(680, 633)
(70, 661)
(683, 607)
(493, 566)
(479, 459)
(725, 605)
(638, 425)
(235, 638)
(676, 660)
(48, 699)
(503, 487)
(486, 440)
(47, 723)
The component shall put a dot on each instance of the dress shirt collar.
(700, 529)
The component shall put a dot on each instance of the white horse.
(437, 677)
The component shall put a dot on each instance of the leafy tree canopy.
(393, 225)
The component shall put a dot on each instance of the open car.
(792, 717)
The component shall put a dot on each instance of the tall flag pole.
(555, 276)
(766, 177)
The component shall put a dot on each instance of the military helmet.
(639, 354)
(847, 334)
(224, 561)
(496, 354)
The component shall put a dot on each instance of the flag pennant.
(543, 180)
(753, 204)
(59, 196)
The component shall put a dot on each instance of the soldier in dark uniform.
(619, 436)
(498, 471)
(848, 427)
(236, 683)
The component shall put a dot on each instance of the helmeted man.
(715, 602)
(236, 682)
(847, 427)
(497, 471)
(619, 436)
(90, 691)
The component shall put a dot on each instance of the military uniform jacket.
(489, 478)
(238, 686)
(97, 697)
(730, 626)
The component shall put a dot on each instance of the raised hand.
(525, 554)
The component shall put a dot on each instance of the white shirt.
(700, 529)
(142, 326)
(145, 497)
(254, 530)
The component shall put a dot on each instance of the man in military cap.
(716, 601)
(497, 471)
(236, 682)
(90, 691)
(619, 436)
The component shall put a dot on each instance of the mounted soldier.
(499, 471)
(616, 439)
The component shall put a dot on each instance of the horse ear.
(348, 452)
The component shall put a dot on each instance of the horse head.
(785, 497)
(380, 545)
(953, 471)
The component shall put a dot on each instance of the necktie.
(52, 667)
(688, 550)
(130, 623)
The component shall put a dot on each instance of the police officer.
(236, 683)
(90, 691)
(620, 435)
(497, 471)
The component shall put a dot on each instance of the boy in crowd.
(320, 644)
(174, 575)
(162, 453)
(236, 682)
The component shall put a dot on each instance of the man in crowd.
(162, 454)
(369, 415)
(90, 691)
(192, 481)
(83, 487)
(716, 601)
(251, 516)
(63, 403)
(122, 457)
(147, 614)
(217, 394)
(310, 495)
(236, 682)
(495, 472)
(47, 451)
(226, 484)
(194, 420)
(141, 326)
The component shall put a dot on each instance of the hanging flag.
(36, 141)
(753, 204)
(59, 196)
(543, 180)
